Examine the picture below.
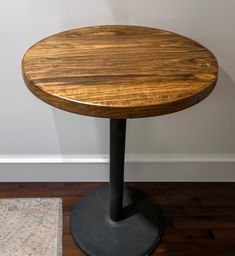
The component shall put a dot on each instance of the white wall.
(31, 131)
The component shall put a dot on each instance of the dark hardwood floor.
(199, 218)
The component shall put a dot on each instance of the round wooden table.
(118, 72)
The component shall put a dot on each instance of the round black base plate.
(96, 234)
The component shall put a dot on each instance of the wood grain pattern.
(203, 228)
(120, 71)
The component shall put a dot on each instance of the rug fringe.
(60, 228)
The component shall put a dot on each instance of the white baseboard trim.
(139, 168)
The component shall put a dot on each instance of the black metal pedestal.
(116, 220)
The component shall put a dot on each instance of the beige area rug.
(31, 226)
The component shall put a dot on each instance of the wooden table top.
(120, 71)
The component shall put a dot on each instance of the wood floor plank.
(186, 235)
(224, 234)
(195, 248)
(204, 222)
(209, 210)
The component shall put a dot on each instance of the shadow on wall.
(205, 128)
(119, 11)
(81, 134)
